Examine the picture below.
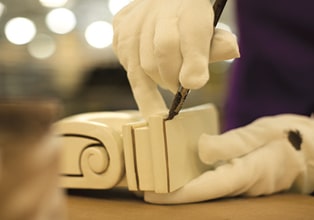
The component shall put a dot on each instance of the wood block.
(162, 154)
(158, 155)
(130, 153)
(92, 149)
(144, 159)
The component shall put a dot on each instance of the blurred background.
(68, 43)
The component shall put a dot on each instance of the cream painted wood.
(158, 155)
(130, 154)
(167, 149)
(92, 149)
(144, 159)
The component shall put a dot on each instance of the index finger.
(238, 142)
(196, 29)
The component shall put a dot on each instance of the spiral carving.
(96, 157)
(93, 155)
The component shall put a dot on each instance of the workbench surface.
(118, 204)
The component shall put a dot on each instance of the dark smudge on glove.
(295, 139)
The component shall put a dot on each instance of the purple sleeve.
(275, 73)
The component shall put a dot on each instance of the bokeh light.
(20, 30)
(43, 46)
(61, 20)
(116, 5)
(99, 34)
(2, 8)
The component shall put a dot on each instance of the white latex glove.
(162, 42)
(272, 154)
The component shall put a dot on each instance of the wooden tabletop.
(121, 204)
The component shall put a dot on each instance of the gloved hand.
(162, 42)
(270, 155)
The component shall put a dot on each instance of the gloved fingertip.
(205, 153)
(213, 149)
(224, 46)
(174, 89)
(194, 75)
